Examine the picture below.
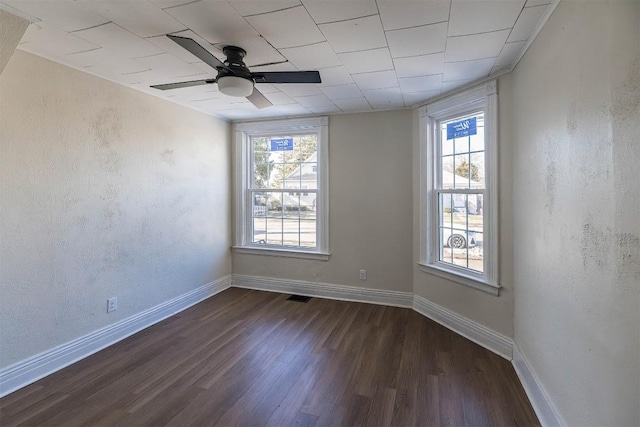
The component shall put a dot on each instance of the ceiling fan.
(234, 78)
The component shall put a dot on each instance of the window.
(282, 190)
(458, 166)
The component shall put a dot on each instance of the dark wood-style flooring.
(247, 357)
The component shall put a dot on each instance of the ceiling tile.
(287, 28)
(342, 92)
(169, 65)
(335, 76)
(455, 84)
(325, 109)
(421, 84)
(45, 40)
(303, 89)
(104, 62)
(257, 7)
(215, 21)
(376, 80)
(278, 98)
(509, 53)
(67, 15)
(367, 61)
(476, 46)
(422, 65)
(312, 57)
(412, 13)
(526, 23)
(474, 17)
(467, 69)
(322, 12)
(117, 39)
(418, 40)
(415, 98)
(267, 88)
(384, 98)
(356, 104)
(140, 17)
(355, 34)
(315, 101)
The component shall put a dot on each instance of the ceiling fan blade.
(258, 99)
(183, 84)
(287, 77)
(198, 51)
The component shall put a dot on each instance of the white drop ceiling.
(371, 54)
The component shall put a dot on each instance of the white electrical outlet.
(363, 274)
(112, 304)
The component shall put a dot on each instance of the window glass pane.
(462, 152)
(460, 230)
(308, 231)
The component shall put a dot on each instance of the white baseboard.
(32, 369)
(543, 406)
(324, 290)
(480, 334)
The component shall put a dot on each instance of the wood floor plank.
(247, 357)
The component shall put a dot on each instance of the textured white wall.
(11, 30)
(577, 210)
(489, 310)
(370, 208)
(105, 192)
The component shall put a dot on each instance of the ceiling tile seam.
(482, 33)
(551, 8)
(514, 25)
(423, 75)
(93, 26)
(266, 13)
(419, 55)
(82, 51)
(417, 26)
(371, 72)
(348, 19)
(179, 5)
(288, 47)
(470, 60)
(135, 72)
(446, 39)
(363, 50)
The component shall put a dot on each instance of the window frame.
(483, 97)
(243, 177)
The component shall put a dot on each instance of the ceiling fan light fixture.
(235, 86)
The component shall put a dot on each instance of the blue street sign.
(282, 144)
(461, 128)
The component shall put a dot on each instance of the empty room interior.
(320, 212)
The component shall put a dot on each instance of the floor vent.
(298, 298)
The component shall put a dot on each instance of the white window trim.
(484, 96)
(243, 131)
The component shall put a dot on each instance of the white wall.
(105, 192)
(576, 204)
(486, 309)
(370, 208)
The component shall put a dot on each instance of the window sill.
(284, 253)
(459, 278)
